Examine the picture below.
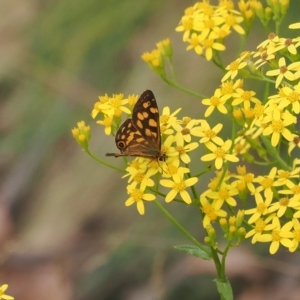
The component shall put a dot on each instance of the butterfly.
(140, 135)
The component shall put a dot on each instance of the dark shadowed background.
(64, 230)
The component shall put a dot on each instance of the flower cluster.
(179, 138)
(205, 26)
(82, 134)
(277, 202)
(111, 109)
(264, 207)
(156, 58)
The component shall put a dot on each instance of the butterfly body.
(140, 135)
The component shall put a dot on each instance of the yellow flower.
(209, 45)
(140, 177)
(296, 235)
(232, 21)
(195, 43)
(228, 87)
(132, 100)
(107, 123)
(165, 47)
(216, 101)
(223, 194)
(283, 43)
(270, 42)
(278, 236)
(294, 190)
(284, 71)
(277, 125)
(186, 25)
(289, 97)
(260, 226)
(181, 150)
(211, 212)
(241, 146)
(282, 204)
(173, 168)
(245, 97)
(184, 133)
(3, 288)
(114, 107)
(264, 58)
(266, 183)
(154, 60)
(260, 209)
(82, 134)
(219, 154)
(208, 134)
(245, 177)
(179, 185)
(137, 196)
(168, 119)
(167, 147)
(234, 68)
(285, 177)
(295, 26)
(96, 110)
(294, 143)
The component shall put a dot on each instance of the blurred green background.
(65, 232)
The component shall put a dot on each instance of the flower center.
(187, 24)
(180, 186)
(234, 66)
(297, 235)
(219, 152)
(276, 235)
(277, 126)
(284, 201)
(185, 131)
(246, 95)
(296, 189)
(223, 193)
(284, 174)
(293, 97)
(248, 178)
(267, 183)
(180, 150)
(283, 69)
(136, 195)
(215, 101)
(139, 177)
(210, 133)
(260, 225)
(261, 207)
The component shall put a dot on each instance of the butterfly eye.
(163, 157)
(121, 145)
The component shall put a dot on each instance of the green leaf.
(224, 289)
(204, 253)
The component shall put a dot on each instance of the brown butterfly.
(140, 135)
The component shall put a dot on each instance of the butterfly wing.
(130, 141)
(145, 117)
(140, 135)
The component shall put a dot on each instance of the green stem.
(174, 221)
(243, 42)
(103, 162)
(217, 262)
(195, 195)
(182, 88)
(223, 264)
(273, 151)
